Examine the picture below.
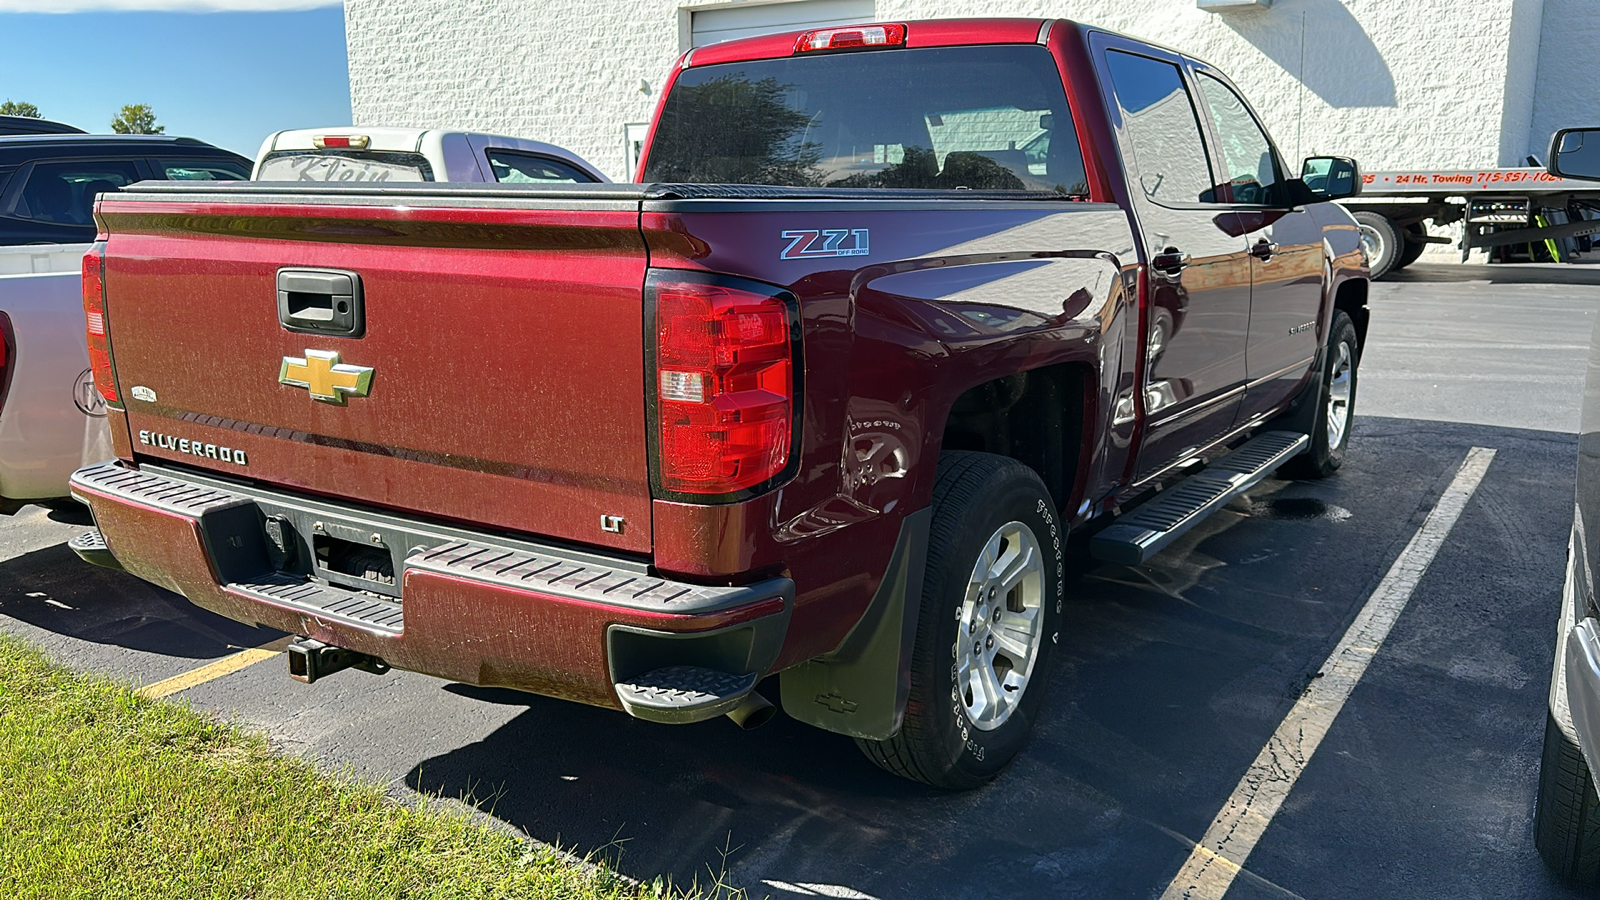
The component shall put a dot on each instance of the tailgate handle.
(321, 301)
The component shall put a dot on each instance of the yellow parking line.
(212, 670)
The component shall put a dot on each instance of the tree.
(137, 118)
(20, 108)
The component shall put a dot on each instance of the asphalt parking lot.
(1173, 676)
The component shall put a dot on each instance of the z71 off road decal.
(817, 242)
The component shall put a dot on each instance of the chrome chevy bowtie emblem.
(328, 380)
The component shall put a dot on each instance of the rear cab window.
(344, 165)
(980, 118)
(511, 167)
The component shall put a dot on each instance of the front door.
(1197, 269)
(1286, 257)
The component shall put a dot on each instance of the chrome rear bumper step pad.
(1142, 532)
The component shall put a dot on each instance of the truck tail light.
(8, 357)
(340, 141)
(854, 37)
(94, 315)
(725, 377)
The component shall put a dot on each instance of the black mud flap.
(860, 689)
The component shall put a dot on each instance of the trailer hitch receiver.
(310, 659)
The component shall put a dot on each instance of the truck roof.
(919, 33)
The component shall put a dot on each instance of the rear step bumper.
(470, 607)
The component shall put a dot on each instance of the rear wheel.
(1336, 406)
(1381, 240)
(1414, 239)
(988, 622)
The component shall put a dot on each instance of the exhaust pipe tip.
(752, 712)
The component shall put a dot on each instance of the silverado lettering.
(195, 448)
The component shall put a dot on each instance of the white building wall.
(1566, 92)
(1522, 67)
(1420, 83)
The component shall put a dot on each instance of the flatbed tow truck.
(1498, 206)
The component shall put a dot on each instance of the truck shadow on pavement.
(55, 591)
(1171, 680)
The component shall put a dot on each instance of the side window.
(522, 168)
(202, 170)
(1162, 130)
(1247, 160)
(63, 193)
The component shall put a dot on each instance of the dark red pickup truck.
(893, 310)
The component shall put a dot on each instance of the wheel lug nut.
(997, 613)
(977, 648)
(988, 643)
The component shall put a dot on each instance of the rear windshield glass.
(984, 118)
(344, 165)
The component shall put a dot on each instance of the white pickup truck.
(358, 153)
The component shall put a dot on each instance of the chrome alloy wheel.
(1339, 396)
(1001, 626)
(1371, 242)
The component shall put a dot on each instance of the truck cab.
(348, 154)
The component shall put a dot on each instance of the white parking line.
(1217, 859)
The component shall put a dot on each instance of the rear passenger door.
(1286, 271)
(1198, 273)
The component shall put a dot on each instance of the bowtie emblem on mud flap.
(328, 380)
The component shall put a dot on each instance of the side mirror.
(1331, 177)
(1575, 153)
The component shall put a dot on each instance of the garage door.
(709, 26)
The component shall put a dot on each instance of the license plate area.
(354, 554)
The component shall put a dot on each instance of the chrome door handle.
(1263, 249)
(1170, 261)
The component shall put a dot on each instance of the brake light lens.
(94, 315)
(340, 141)
(852, 37)
(725, 381)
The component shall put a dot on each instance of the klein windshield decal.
(817, 242)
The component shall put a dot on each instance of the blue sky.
(225, 71)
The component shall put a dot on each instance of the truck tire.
(1335, 406)
(1381, 239)
(988, 622)
(1413, 237)
(1566, 815)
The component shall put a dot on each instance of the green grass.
(106, 795)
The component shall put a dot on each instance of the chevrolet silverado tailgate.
(470, 354)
